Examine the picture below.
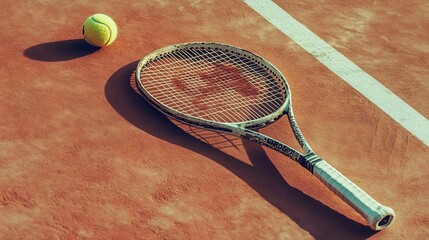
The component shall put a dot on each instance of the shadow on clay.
(312, 216)
(60, 50)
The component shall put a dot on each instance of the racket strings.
(223, 76)
(213, 84)
(201, 56)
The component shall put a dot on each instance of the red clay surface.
(82, 156)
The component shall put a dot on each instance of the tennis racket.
(231, 90)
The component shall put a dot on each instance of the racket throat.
(309, 160)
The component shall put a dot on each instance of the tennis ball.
(100, 30)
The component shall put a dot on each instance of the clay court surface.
(83, 156)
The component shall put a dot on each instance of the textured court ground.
(82, 156)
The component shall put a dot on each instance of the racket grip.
(377, 215)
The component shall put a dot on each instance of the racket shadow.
(311, 215)
(214, 139)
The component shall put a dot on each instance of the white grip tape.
(377, 215)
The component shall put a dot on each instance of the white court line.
(368, 86)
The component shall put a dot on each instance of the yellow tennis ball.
(100, 30)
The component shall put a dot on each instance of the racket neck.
(308, 160)
(269, 142)
(297, 132)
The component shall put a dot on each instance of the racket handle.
(377, 215)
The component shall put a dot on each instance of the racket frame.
(377, 215)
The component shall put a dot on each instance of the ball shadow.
(60, 50)
(311, 215)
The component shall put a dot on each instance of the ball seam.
(110, 30)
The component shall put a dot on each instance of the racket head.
(213, 85)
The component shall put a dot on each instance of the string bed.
(213, 84)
